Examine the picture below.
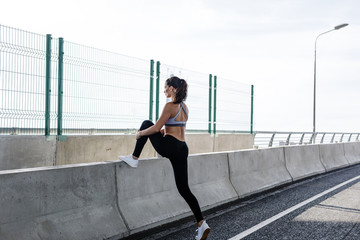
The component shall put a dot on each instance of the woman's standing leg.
(179, 163)
(180, 167)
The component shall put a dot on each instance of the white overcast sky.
(268, 43)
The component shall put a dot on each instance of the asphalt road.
(322, 207)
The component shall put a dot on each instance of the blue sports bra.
(171, 122)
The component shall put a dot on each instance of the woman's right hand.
(138, 135)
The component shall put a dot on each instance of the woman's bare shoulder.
(169, 105)
(186, 107)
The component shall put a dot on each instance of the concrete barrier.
(253, 171)
(352, 152)
(39, 151)
(303, 161)
(233, 142)
(72, 202)
(333, 156)
(206, 143)
(85, 149)
(26, 152)
(148, 196)
(113, 200)
(209, 177)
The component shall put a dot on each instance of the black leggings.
(177, 151)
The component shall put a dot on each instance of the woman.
(170, 143)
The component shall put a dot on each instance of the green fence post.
(151, 100)
(214, 119)
(252, 109)
(60, 86)
(210, 91)
(157, 88)
(48, 84)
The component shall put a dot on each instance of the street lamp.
(335, 28)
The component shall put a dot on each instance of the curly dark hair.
(181, 88)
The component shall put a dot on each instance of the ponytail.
(181, 88)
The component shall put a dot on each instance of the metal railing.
(263, 139)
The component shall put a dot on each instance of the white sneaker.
(130, 160)
(203, 231)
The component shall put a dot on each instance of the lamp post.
(335, 28)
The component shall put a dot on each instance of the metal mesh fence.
(198, 95)
(103, 90)
(109, 93)
(233, 105)
(22, 85)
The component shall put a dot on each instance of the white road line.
(276, 217)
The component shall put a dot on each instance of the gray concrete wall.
(231, 142)
(111, 199)
(147, 196)
(352, 152)
(155, 199)
(26, 151)
(77, 202)
(36, 151)
(252, 171)
(85, 149)
(303, 161)
(332, 156)
(209, 178)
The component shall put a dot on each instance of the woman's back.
(176, 128)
